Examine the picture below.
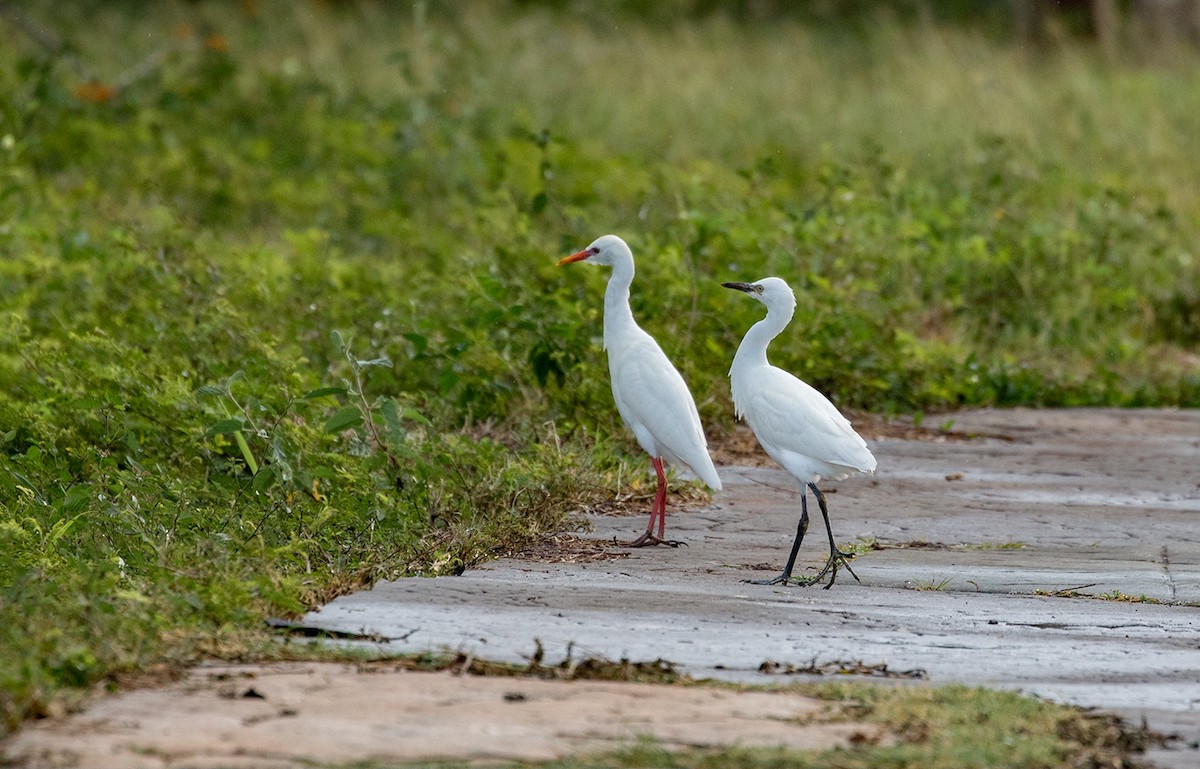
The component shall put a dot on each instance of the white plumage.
(795, 424)
(650, 394)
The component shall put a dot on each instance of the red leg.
(660, 497)
(658, 511)
(653, 516)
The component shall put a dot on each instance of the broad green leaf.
(420, 344)
(416, 416)
(225, 426)
(76, 497)
(391, 418)
(322, 392)
(263, 478)
(345, 418)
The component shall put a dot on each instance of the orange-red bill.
(574, 257)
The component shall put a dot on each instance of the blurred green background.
(279, 313)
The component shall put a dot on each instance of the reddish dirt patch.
(300, 714)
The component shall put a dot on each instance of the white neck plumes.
(618, 317)
(752, 352)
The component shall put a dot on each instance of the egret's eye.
(758, 289)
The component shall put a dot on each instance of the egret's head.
(606, 250)
(773, 292)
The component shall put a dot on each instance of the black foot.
(649, 540)
(835, 562)
(836, 559)
(783, 579)
(780, 580)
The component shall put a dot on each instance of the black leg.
(836, 557)
(801, 530)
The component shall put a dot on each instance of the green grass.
(948, 727)
(1010, 545)
(281, 317)
(929, 585)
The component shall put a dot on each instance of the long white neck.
(618, 318)
(752, 352)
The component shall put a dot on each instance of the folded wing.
(657, 405)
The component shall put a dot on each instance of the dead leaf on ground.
(569, 548)
(839, 668)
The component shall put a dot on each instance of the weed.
(929, 585)
(1117, 595)
(862, 546)
(920, 544)
(993, 546)
(1112, 595)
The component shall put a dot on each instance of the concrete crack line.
(1166, 567)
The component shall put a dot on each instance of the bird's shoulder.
(639, 356)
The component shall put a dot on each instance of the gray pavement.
(1100, 502)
